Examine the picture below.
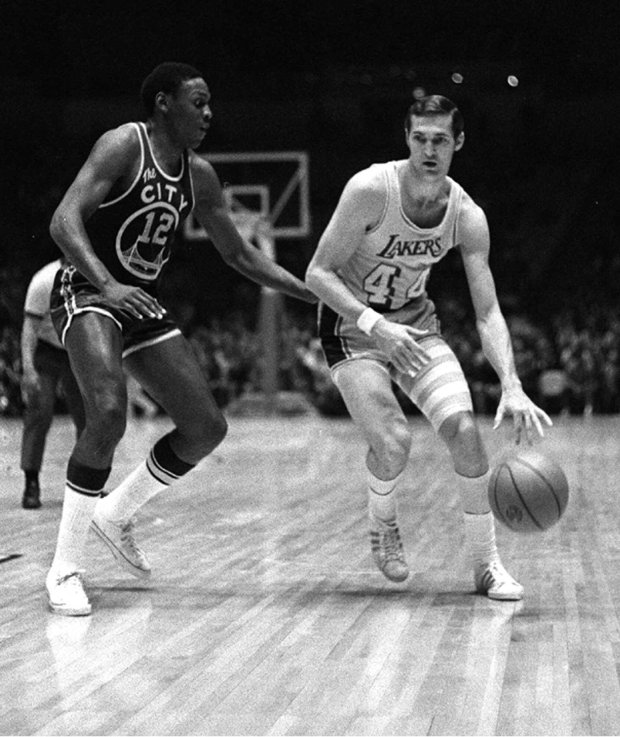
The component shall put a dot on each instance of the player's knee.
(208, 434)
(112, 425)
(459, 426)
(391, 448)
(107, 418)
(218, 430)
(461, 435)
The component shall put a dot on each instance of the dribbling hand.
(526, 416)
(399, 343)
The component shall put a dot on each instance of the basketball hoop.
(267, 197)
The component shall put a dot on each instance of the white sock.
(161, 468)
(123, 502)
(480, 538)
(474, 493)
(382, 496)
(77, 512)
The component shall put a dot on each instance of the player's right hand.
(133, 300)
(399, 343)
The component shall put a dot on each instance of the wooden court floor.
(265, 615)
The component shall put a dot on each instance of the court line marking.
(10, 556)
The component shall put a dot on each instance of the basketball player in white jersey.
(377, 325)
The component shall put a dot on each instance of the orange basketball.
(528, 492)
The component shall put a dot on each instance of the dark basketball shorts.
(73, 296)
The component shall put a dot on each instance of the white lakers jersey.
(393, 263)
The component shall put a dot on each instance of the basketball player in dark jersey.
(116, 225)
(378, 326)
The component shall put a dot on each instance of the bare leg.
(73, 398)
(94, 344)
(461, 435)
(94, 348)
(366, 388)
(170, 374)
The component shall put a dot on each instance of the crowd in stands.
(569, 363)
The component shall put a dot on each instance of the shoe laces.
(127, 530)
(498, 571)
(391, 543)
(72, 580)
(495, 573)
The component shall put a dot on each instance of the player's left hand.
(525, 414)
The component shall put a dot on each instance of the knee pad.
(440, 389)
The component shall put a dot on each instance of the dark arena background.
(265, 614)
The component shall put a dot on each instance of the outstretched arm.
(491, 325)
(212, 213)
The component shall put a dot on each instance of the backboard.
(271, 184)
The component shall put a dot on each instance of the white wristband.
(366, 321)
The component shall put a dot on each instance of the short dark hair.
(166, 77)
(426, 107)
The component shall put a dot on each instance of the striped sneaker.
(66, 594)
(119, 538)
(387, 548)
(493, 580)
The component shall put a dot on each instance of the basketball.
(528, 492)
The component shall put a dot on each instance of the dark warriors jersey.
(132, 233)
